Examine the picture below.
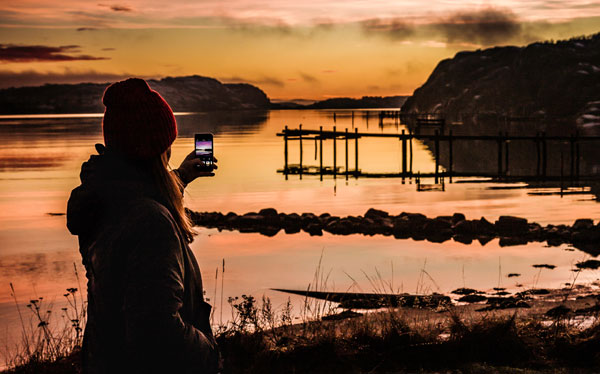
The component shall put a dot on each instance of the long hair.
(170, 189)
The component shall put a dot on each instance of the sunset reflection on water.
(39, 165)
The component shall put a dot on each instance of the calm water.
(40, 159)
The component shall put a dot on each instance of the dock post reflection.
(356, 153)
(403, 156)
(334, 154)
(321, 152)
(285, 139)
(450, 156)
(437, 155)
(346, 140)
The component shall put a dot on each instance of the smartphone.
(204, 150)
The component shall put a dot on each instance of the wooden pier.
(502, 142)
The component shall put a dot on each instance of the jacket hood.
(108, 182)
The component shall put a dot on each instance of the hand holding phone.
(200, 162)
(203, 145)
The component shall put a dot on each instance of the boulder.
(374, 214)
(271, 216)
(457, 217)
(314, 229)
(509, 225)
(583, 224)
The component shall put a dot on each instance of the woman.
(146, 312)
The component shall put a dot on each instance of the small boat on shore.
(354, 300)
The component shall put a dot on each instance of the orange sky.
(312, 49)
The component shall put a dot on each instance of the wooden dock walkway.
(501, 141)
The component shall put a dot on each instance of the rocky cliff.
(184, 94)
(550, 79)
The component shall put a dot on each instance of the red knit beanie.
(138, 122)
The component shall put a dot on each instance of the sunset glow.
(310, 50)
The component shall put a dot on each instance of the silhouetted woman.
(146, 311)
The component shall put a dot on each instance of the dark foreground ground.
(558, 333)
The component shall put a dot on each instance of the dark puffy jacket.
(146, 311)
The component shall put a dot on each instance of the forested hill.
(548, 79)
(191, 93)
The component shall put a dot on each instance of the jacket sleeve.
(158, 339)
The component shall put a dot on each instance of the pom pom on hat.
(138, 122)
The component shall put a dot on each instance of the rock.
(473, 298)
(544, 266)
(457, 217)
(323, 217)
(589, 264)
(314, 229)
(511, 226)
(588, 235)
(437, 225)
(465, 291)
(339, 227)
(375, 213)
(271, 216)
(583, 224)
(485, 227)
(250, 220)
(308, 219)
(465, 227)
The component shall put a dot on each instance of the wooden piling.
(285, 151)
(403, 154)
(356, 153)
(450, 156)
(411, 152)
(334, 153)
(346, 140)
(321, 151)
(437, 154)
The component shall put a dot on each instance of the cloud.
(264, 80)
(34, 78)
(486, 27)
(86, 29)
(40, 53)
(121, 8)
(117, 7)
(309, 78)
(108, 49)
(394, 28)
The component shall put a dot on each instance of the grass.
(260, 338)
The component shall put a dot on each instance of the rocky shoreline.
(583, 234)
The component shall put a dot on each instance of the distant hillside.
(184, 94)
(347, 103)
(559, 79)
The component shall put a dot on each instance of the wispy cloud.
(487, 26)
(280, 13)
(41, 53)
